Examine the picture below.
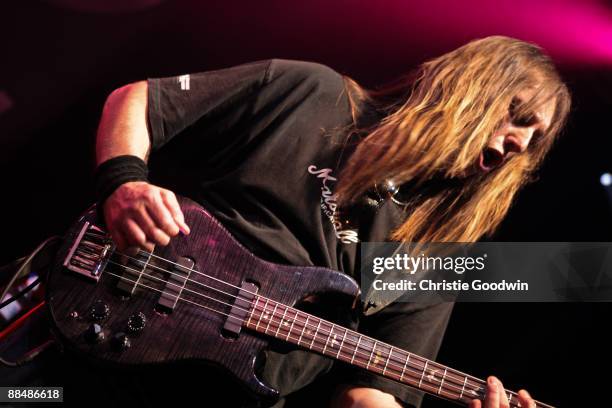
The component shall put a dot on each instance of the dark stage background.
(60, 60)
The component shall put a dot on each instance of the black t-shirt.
(261, 146)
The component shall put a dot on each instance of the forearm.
(123, 126)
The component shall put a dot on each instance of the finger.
(153, 234)
(526, 400)
(131, 252)
(175, 210)
(128, 253)
(492, 397)
(503, 397)
(148, 247)
(475, 404)
(161, 216)
(134, 250)
(118, 239)
(135, 236)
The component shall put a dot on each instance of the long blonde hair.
(454, 104)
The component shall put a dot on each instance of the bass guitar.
(206, 297)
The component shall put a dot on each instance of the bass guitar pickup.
(243, 303)
(174, 286)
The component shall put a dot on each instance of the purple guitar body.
(88, 288)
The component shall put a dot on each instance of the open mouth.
(490, 159)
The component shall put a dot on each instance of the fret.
(251, 311)
(292, 323)
(303, 328)
(271, 318)
(442, 382)
(334, 340)
(351, 340)
(463, 388)
(404, 369)
(432, 376)
(331, 329)
(263, 315)
(281, 321)
(387, 362)
(423, 374)
(371, 354)
(356, 348)
(316, 333)
(341, 343)
(378, 354)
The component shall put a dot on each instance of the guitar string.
(415, 377)
(458, 381)
(182, 287)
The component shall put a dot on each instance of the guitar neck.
(291, 325)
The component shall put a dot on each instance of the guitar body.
(205, 298)
(148, 310)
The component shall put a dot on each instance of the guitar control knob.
(120, 341)
(136, 322)
(94, 334)
(99, 311)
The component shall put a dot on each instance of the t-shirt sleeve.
(412, 327)
(238, 103)
(223, 96)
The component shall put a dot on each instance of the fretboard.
(318, 335)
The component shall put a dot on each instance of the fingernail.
(492, 382)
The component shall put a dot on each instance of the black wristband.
(116, 171)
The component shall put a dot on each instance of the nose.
(517, 140)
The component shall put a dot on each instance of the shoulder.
(294, 72)
(301, 68)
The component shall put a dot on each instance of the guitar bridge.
(90, 252)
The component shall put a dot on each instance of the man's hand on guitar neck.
(139, 214)
(362, 397)
(496, 397)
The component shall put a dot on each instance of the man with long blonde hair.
(301, 164)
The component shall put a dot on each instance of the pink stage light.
(573, 31)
